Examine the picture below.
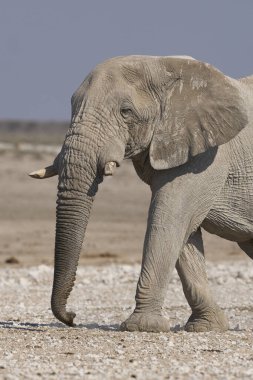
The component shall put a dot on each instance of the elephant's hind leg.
(206, 314)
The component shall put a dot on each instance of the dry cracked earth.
(33, 345)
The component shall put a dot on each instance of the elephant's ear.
(200, 108)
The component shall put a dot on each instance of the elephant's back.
(247, 80)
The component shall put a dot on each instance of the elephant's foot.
(210, 320)
(145, 322)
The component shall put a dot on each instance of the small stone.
(241, 275)
(12, 260)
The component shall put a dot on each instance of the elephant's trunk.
(86, 155)
(78, 182)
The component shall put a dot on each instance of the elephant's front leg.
(206, 314)
(163, 243)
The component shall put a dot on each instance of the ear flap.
(200, 108)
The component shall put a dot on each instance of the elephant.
(188, 129)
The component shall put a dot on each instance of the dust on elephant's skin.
(188, 129)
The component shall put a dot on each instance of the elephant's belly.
(231, 216)
(230, 224)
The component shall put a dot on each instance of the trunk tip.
(66, 317)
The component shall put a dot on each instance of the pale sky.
(48, 47)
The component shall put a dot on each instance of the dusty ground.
(33, 345)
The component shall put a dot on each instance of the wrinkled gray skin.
(188, 129)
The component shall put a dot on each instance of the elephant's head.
(171, 107)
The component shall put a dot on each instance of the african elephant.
(188, 129)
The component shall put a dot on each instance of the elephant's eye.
(126, 112)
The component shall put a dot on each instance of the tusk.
(110, 168)
(47, 172)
